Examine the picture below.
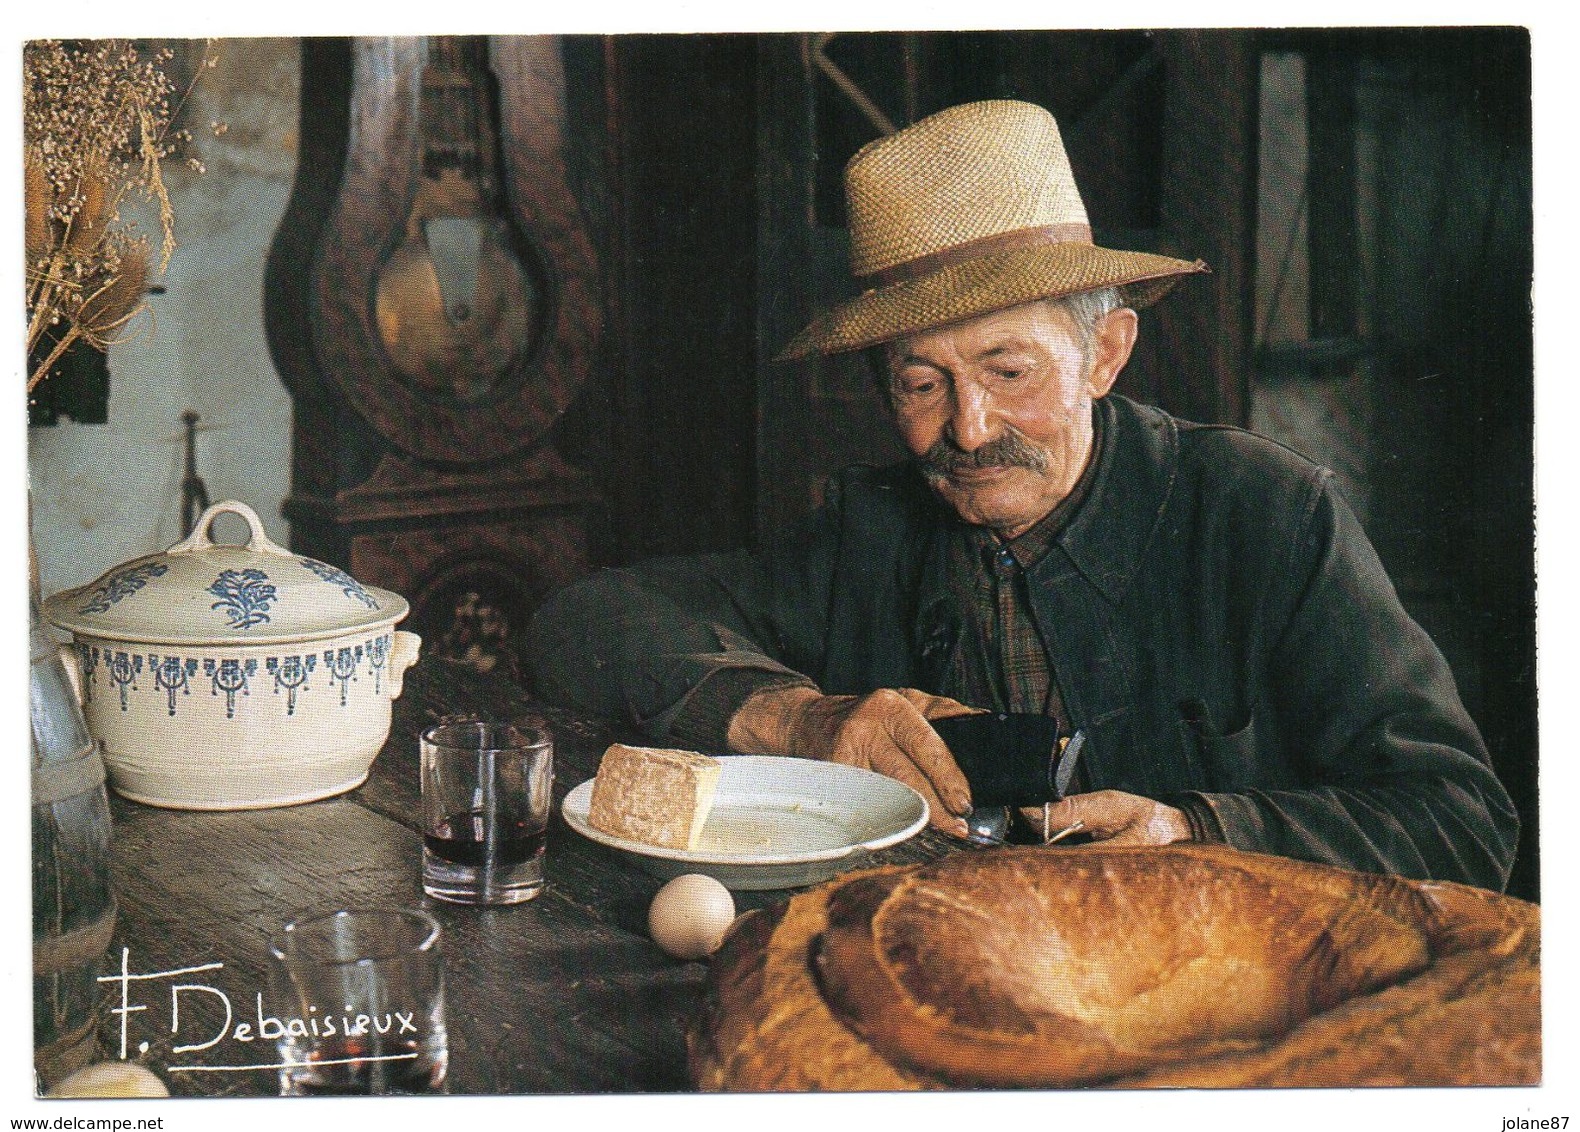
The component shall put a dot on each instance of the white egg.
(689, 916)
(111, 1079)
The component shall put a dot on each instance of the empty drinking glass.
(356, 1004)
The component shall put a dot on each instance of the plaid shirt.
(1003, 660)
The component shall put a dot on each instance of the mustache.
(1009, 450)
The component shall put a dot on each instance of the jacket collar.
(1108, 536)
(1104, 540)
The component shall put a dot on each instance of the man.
(1197, 601)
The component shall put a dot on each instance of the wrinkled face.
(998, 410)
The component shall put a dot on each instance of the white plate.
(777, 823)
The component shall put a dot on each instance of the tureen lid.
(200, 592)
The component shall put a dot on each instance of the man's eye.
(918, 387)
(1009, 374)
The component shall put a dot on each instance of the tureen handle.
(200, 539)
(73, 667)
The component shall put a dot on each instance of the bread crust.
(763, 962)
(1182, 966)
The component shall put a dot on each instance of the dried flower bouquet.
(96, 126)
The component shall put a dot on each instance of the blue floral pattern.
(348, 585)
(342, 665)
(244, 595)
(230, 677)
(88, 667)
(174, 676)
(123, 670)
(378, 657)
(120, 584)
(291, 673)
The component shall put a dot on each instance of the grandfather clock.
(432, 304)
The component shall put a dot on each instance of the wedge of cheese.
(652, 795)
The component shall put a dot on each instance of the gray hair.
(1085, 309)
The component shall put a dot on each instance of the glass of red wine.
(486, 790)
(356, 1004)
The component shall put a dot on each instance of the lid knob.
(201, 537)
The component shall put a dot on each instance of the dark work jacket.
(1216, 619)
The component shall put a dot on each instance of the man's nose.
(970, 423)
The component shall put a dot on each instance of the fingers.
(920, 744)
(1046, 824)
(886, 759)
(884, 732)
(1061, 815)
(936, 707)
(934, 755)
(1130, 835)
(1116, 818)
(1057, 819)
(879, 754)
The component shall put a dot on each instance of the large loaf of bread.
(1193, 966)
(654, 795)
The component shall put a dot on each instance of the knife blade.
(1064, 773)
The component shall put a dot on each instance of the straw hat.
(967, 212)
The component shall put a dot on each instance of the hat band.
(1072, 233)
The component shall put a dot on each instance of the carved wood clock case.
(433, 305)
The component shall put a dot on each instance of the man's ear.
(1113, 338)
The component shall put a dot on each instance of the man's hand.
(1114, 818)
(885, 731)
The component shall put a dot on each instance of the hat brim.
(982, 286)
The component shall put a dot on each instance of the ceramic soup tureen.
(223, 677)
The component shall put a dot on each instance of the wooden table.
(565, 994)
